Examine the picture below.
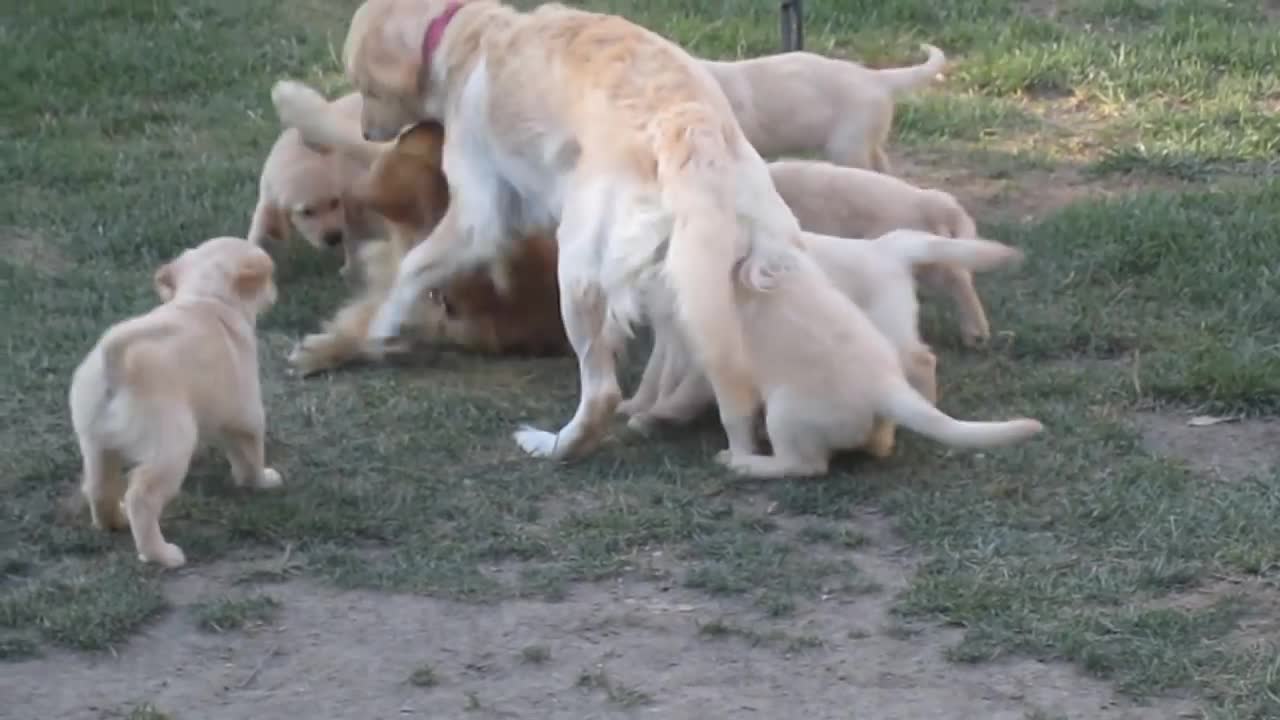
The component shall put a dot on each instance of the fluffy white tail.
(916, 247)
(902, 404)
(913, 76)
(302, 107)
(122, 337)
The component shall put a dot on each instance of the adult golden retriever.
(587, 120)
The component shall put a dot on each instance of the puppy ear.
(165, 281)
(270, 222)
(253, 274)
(316, 148)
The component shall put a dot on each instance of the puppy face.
(303, 187)
(405, 184)
(226, 267)
(382, 55)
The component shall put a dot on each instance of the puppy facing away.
(608, 132)
(406, 187)
(856, 203)
(800, 102)
(877, 275)
(158, 386)
(304, 186)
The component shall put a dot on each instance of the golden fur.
(616, 134)
(800, 102)
(304, 186)
(851, 202)
(406, 187)
(841, 362)
(158, 386)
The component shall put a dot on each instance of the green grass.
(130, 131)
(229, 614)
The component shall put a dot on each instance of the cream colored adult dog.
(157, 386)
(851, 202)
(305, 186)
(590, 121)
(800, 102)
(877, 275)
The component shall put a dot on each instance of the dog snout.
(333, 238)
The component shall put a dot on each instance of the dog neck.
(435, 31)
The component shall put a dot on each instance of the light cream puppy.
(800, 102)
(159, 385)
(851, 202)
(877, 275)
(613, 132)
(832, 381)
(305, 186)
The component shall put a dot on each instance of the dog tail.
(119, 340)
(910, 77)
(302, 107)
(902, 404)
(916, 247)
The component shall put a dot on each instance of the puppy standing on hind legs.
(157, 385)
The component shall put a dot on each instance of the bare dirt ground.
(623, 649)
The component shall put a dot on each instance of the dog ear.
(165, 281)
(253, 274)
(270, 222)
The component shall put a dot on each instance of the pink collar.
(435, 31)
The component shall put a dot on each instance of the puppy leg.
(584, 309)
(103, 486)
(245, 452)
(650, 382)
(797, 452)
(958, 283)
(880, 443)
(880, 160)
(691, 396)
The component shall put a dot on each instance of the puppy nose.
(333, 238)
(370, 136)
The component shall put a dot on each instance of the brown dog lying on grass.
(158, 386)
(407, 187)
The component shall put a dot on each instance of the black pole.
(792, 25)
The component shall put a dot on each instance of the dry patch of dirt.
(1227, 451)
(615, 650)
(26, 249)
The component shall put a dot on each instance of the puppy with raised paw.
(158, 386)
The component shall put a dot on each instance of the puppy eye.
(307, 212)
(333, 204)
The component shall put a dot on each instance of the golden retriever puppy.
(801, 103)
(304, 186)
(832, 381)
(877, 275)
(407, 188)
(158, 386)
(851, 202)
(612, 134)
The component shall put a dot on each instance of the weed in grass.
(231, 614)
(424, 677)
(535, 654)
(617, 693)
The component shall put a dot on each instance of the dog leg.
(880, 442)
(245, 452)
(691, 396)
(647, 392)
(584, 309)
(103, 486)
(428, 266)
(151, 487)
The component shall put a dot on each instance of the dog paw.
(111, 518)
(725, 457)
(642, 423)
(537, 443)
(270, 479)
(168, 555)
(385, 326)
(975, 338)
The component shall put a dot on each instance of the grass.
(1163, 297)
(230, 614)
(424, 677)
(616, 692)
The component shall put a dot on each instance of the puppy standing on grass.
(304, 185)
(799, 102)
(855, 203)
(157, 386)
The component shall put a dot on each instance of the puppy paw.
(270, 479)
(168, 555)
(537, 443)
(110, 517)
(975, 338)
(642, 423)
(725, 457)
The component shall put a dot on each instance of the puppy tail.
(902, 404)
(302, 107)
(916, 247)
(119, 340)
(908, 78)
